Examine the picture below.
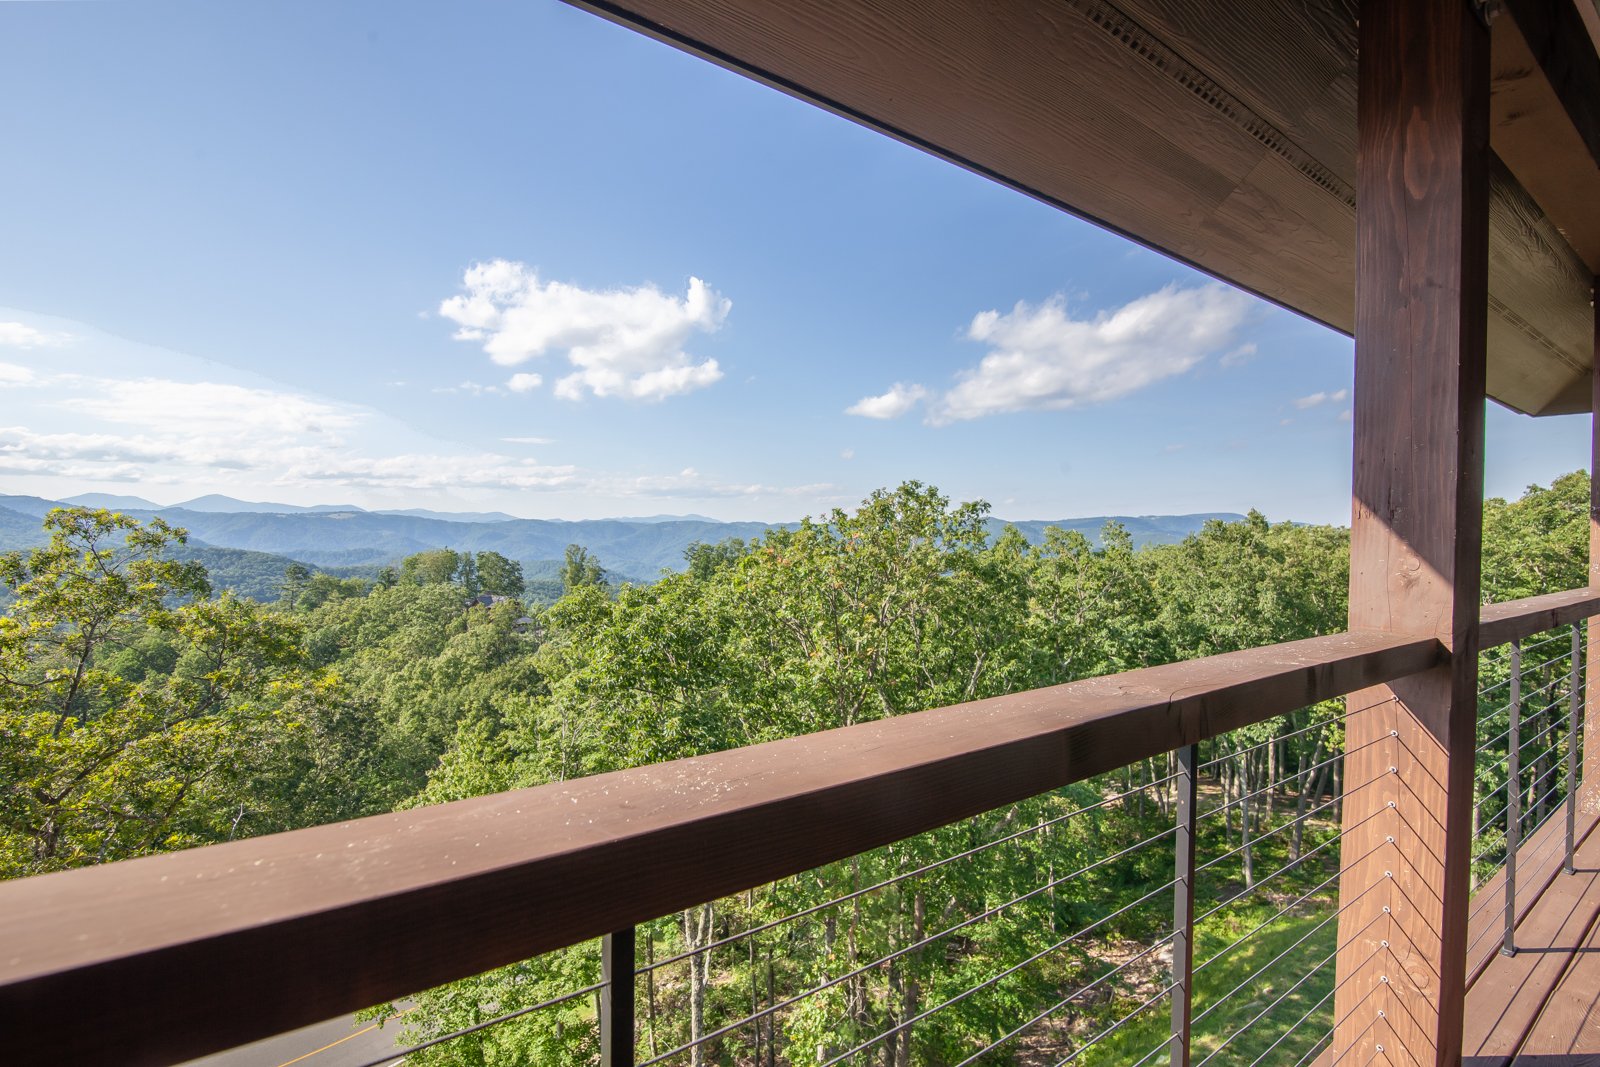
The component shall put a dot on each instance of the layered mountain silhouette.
(345, 536)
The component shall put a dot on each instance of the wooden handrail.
(191, 952)
(1500, 623)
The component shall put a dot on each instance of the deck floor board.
(1541, 1007)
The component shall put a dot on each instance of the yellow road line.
(324, 1048)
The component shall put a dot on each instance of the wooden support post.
(1590, 790)
(1421, 313)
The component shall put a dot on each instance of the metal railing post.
(1183, 910)
(1575, 684)
(1513, 799)
(618, 968)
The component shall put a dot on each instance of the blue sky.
(510, 256)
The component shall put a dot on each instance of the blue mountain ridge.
(639, 549)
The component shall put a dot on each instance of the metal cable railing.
(1530, 744)
(1183, 909)
(1265, 983)
(1013, 935)
(554, 1003)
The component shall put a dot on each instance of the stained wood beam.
(1499, 623)
(1422, 268)
(1591, 749)
(1534, 135)
(1560, 42)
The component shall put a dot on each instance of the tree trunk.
(772, 1021)
(1338, 789)
(1244, 835)
(1302, 805)
(650, 988)
(697, 924)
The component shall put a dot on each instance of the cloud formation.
(21, 335)
(15, 376)
(1239, 356)
(470, 387)
(203, 408)
(164, 431)
(1318, 399)
(1042, 358)
(899, 400)
(620, 342)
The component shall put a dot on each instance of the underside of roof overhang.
(1221, 134)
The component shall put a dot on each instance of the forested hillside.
(342, 536)
(139, 712)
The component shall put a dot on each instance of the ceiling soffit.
(1223, 135)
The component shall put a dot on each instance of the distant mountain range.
(227, 505)
(342, 536)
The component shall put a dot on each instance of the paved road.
(341, 1042)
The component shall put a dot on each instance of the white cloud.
(426, 471)
(21, 335)
(620, 342)
(1239, 356)
(1344, 416)
(847, 454)
(524, 383)
(470, 387)
(899, 400)
(163, 431)
(234, 411)
(132, 415)
(1041, 358)
(689, 483)
(1318, 399)
(304, 447)
(149, 426)
(15, 376)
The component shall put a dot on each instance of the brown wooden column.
(1421, 314)
(1590, 790)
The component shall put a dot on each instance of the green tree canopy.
(497, 574)
(580, 569)
(130, 705)
(438, 566)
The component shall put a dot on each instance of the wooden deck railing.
(187, 953)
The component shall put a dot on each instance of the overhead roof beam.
(1560, 41)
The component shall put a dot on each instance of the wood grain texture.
(195, 951)
(1292, 63)
(1567, 1031)
(1539, 863)
(1539, 293)
(1500, 623)
(1533, 134)
(1559, 41)
(1589, 12)
(1421, 314)
(1513, 994)
(1220, 134)
(1591, 749)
